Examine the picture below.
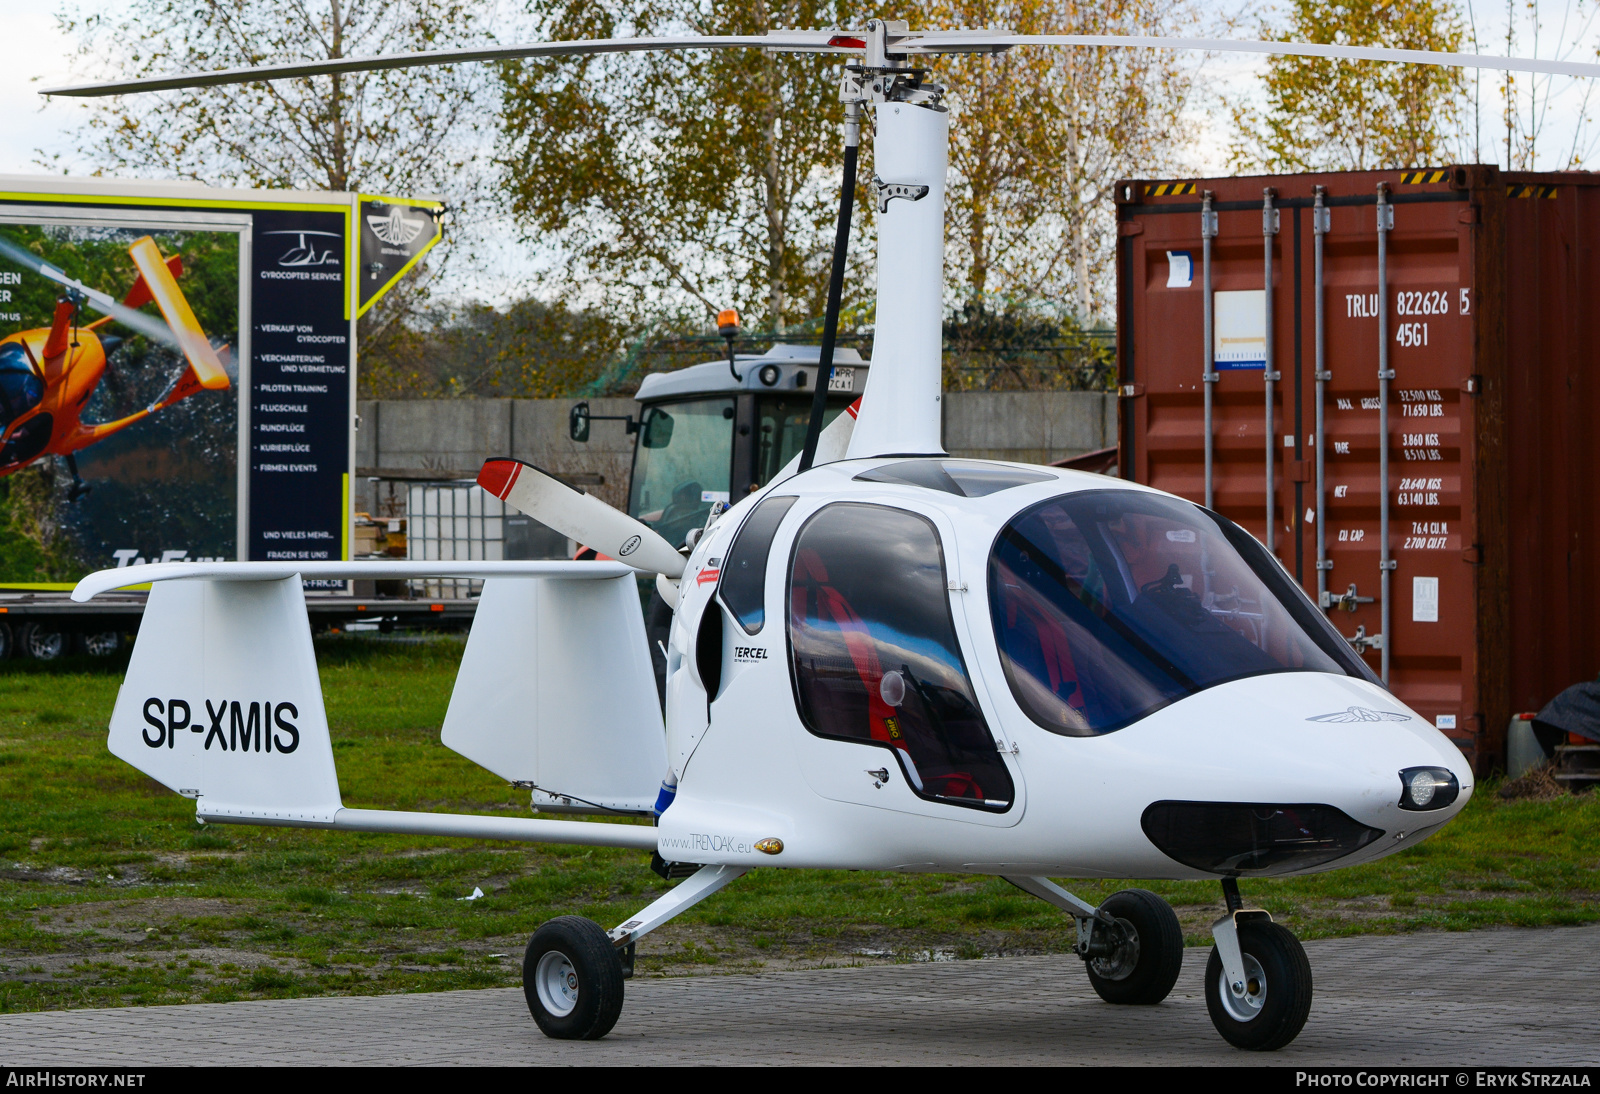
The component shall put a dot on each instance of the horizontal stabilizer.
(104, 581)
(556, 690)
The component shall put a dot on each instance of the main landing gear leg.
(1132, 945)
(573, 972)
(1258, 981)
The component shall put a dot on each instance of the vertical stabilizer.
(900, 412)
(222, 701)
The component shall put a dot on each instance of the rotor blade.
(936, 42)
(579, 516)
(147, 325)
(783, 39)
(179, 316)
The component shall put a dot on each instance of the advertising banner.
(178, 368)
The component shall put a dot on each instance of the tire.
(1146, 975)
(1275, 955)
(41, 643)
(99, 643)
(8, 642)
(572, 979)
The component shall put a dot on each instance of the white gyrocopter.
(886, 659)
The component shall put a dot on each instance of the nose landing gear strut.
(1258, 981)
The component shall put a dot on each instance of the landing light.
(1427, 788)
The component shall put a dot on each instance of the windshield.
(20, 388)
(783, 421)
(681, 465)
(1110, 604)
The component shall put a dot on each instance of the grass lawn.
(111, 894)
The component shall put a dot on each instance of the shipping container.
(1390, 378)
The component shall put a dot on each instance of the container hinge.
(1472, 385)
(1131, 391)
(1386, 374)
(1348, 600)
(1388, 564)
(1361, 640)
(1130, 228)
(1473, 555)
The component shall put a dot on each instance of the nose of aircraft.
(1383, 776)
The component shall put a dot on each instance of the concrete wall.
(450, 438)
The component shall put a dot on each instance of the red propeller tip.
(498, 476)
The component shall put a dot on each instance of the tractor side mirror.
(578, 423)
(657, 430)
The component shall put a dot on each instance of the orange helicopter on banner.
(47, 375)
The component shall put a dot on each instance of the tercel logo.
(629, 547)
(252, 727)
(748, 655)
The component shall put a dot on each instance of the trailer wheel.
(40, 642)
(8, 642)
(572, 978)
(100, 643)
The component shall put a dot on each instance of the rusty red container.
(1442, 506)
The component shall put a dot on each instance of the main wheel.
(1277, 995)
(572, 978)
(1146, 964)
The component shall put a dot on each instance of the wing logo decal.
(1360, 714)
(395, 228)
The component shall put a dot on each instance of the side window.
(874, 656)
(744, 573)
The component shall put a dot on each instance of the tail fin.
(556, 690)
(222, 701)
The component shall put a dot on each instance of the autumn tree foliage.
(1337, 115)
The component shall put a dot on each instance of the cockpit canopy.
(1109, 604)
(20, 387)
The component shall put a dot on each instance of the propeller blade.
(580, 516)
(802, 40)
(163, 287)
(147, 325)
(937, 42)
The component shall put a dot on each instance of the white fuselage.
(750, 770)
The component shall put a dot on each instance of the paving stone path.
(1504, 997)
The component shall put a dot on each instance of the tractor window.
(782, 420)
(873, 651)
(20, 388)
(681, 465)
(1108, 605)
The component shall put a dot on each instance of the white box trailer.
(113, 452)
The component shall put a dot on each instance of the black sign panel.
(300, 389)
(393, 235)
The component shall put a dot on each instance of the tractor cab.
(720, 430)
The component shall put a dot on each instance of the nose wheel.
(1258, 981)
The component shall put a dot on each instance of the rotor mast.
(900, 412)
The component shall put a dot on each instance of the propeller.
(579, 516)
(896, 43)
(147, 325)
